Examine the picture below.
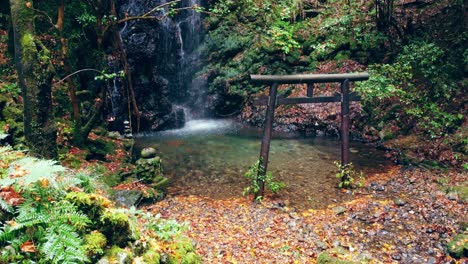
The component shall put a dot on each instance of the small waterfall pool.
(210, 157)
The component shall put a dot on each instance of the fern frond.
(63, 245)
(67, 213)
(33, 170)
(5, 206)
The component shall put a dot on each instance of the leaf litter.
(401, 216)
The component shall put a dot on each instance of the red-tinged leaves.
(28, 247)
(10, 196)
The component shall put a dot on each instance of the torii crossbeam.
(275, 80)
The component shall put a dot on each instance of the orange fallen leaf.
(28, 246)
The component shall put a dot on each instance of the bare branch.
(74, 73)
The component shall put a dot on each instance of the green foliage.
(164, 229)
(420, 80)
(281, 34)
(31, 170)
(10, 88)
(86, 19)
(109, 76)
(255, 175)
(348, 175)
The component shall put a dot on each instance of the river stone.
(147, 153)
(104, 260)
(339, 210)
(453, 196)
(113, 134)
(128, 198)
(398, 201)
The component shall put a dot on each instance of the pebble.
(398, 201)
(396, 257)
(339, 210)
(453, 196)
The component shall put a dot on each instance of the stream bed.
(208, 158)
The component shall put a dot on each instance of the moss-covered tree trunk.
(35, 73)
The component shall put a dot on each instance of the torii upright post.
(344, 125)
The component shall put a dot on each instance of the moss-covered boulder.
(99, 148)
(151, 257)
(116, 226)
(148, 153)
(458, 246)
(119, 255)
(183, 251)
(327, 258)
(92, 204)
(94, 244)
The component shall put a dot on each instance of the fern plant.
(44, 226)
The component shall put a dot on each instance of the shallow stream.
(209, 158)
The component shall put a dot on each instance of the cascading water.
(164, 58)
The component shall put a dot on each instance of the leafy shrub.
(257, 174)
(421, 81)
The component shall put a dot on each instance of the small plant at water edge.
(350, 178)
(255, 175)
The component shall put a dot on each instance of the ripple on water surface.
(210, 157)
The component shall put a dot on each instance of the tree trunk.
(35, 73)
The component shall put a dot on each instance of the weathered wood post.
(265, 148)
(344, 125)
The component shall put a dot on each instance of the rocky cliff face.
(163, 57)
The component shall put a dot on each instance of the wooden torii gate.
(275, 80)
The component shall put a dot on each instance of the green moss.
(94, 244)
(462, 191)
(183, 252)
(327, 258)
(117, 227)
(115, 219)
(92, 204)
(191, 258)
(151, 257)
(458, 246)
(120, 254)
(28, 48)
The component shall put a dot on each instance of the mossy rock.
(92, 204)
(116, 226)
(458, 246)
(151, 257)
(121, 255)
(94, 244)
(327, 258)
(147, 153)
(462, 191)
(183, 251)
(99, 148)
(339, 255)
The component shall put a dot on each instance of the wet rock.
(148, 153)
(321, 245)
(398, 201)
(104, 260)
(339, 210)
(377, 187)
(453, 196)
(128, 198)
(113, 134)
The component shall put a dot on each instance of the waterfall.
(164, 58)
